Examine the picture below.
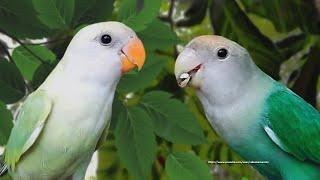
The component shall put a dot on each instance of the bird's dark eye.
(105, 39)
(222, 53)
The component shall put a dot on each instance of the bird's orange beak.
(133, 54)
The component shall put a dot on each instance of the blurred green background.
(159, 131)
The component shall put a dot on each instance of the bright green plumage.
(295, 122)
(29, 124)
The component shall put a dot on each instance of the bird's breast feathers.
(241, 116)
(77, 121)
(86, 111)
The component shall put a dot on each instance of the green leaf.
(28, 62)
(6, 124)
(56, 14)
(158, 35)
(180, 166)
(172, 118)
(127, 9)
(230, 21)
(286, 15)
(135, 141)
(152, 68)
(40, 75)
(138, 21)
(11, 82)
(19, 19)
(117, 108)
(92, 11)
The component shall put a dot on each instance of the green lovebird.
(65, 120)
(259, 118)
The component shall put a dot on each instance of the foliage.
(186, 166)
(242, 30)
(29, 59)
(6, 123)
(136, 141)
(159, 131)
(11, 82)
(167, 119)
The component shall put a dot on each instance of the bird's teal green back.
(29, 124)
(295, 122)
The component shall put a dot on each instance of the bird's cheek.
(197, 79)
(133, 54)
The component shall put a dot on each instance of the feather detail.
(295, 124)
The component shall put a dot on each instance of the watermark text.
(238, 162)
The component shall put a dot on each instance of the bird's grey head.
(104, 50)
(214, 65)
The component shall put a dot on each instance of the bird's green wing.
(29, 124)
(293, 124)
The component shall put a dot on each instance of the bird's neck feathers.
(97, 72)
(231, 84)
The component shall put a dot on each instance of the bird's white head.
(104, 51)
(214, 65)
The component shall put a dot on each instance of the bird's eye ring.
(222, 53)
(105, 39)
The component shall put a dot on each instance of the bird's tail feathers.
(3, 166)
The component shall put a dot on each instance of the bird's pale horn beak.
(133, 54)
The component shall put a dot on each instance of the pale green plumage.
(29, 124)
(64, 121)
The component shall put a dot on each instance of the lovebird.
(258, 117)
(64, 121)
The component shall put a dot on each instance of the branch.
(24, 46)
(4, 47)
(169, 19)
(47, 42)
(170, 15)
